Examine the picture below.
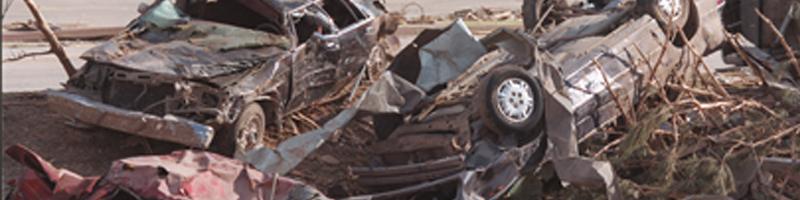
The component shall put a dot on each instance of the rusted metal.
(205, 176)
(42, 180)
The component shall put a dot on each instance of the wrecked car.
(217, 73)
(484, 112)
(588, 61)
(184, 174)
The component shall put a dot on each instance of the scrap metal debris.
(184, 72)
(621, 175)
(595, 99)
(186, 174)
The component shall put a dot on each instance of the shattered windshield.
(253, 15)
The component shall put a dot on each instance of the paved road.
(44, 72)
(118, 12)
(40, 72)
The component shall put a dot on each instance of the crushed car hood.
(196, 49)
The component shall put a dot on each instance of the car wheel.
(510, 102)
(671, 14)
(245, 134)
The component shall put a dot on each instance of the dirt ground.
(328, 168)
(90, 151)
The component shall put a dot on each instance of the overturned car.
(484, 112)
(589, 62)
(217, 73)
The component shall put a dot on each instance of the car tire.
(670, 23)
(245, 134)
(532, 11)
(510, 102)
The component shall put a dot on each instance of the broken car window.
(343, 12)
(312, 20)
(232, 12)
(163, 14)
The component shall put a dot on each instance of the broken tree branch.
(659, 61)
(792, 130)
(539, 23)
(621, 107)
(737, 46)
(716, 84)
(789, 52)
(55, 45)
(26, 54)
(608, 147)
(661, 92)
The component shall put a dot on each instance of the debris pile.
(328, 168)
(604, 96)
(701, 131)
(186, 174)
(486, 14)
(481, 14)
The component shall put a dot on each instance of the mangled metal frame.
(394, 94)
(491, 177)
(476, 170)
(185, 174)
(187, 104)
(569, 103)
(580, 97)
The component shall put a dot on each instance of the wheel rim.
(514, 99)
(248, 136)
(672, 8)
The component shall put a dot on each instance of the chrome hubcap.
(671, 7)
(247, 137)
(515, 100)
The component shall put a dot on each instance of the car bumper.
(168, 128)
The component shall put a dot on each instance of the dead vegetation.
(699, 131)
(696, 131)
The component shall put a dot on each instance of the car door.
(330, 56)
(356, 36)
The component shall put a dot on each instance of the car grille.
(138, 96)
